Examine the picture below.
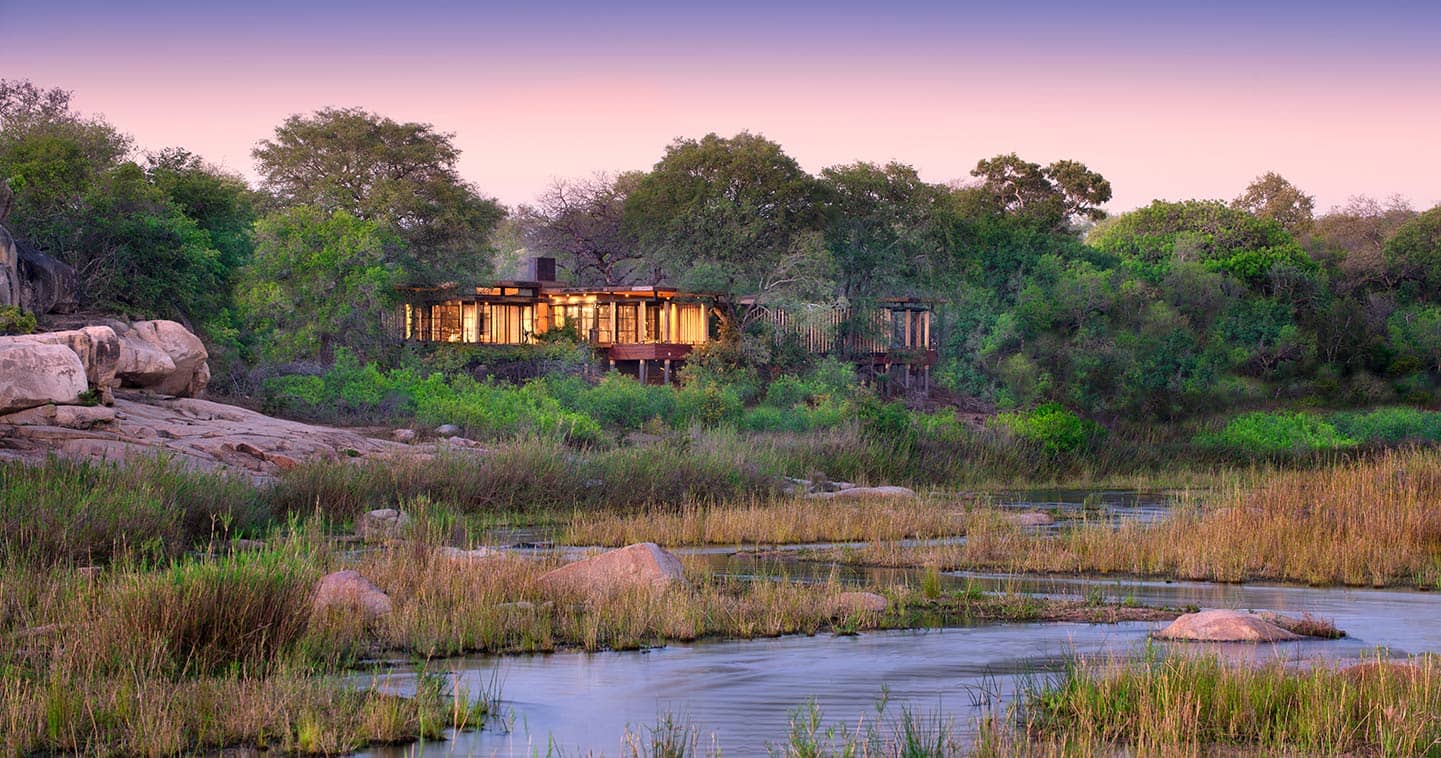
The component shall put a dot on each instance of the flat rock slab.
(644, 565)
(1224, 626)
(195, 433)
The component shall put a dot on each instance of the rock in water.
(644, 565)
(381, 524)
(32, 375)
(859, 602)
(349, 591)
(1224, 626)
(865, 493)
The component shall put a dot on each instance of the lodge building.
(649, 331)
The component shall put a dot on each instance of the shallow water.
(740, 695)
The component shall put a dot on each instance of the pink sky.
(1159, 123)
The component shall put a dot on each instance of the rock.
(83, 416)
(643, 565)
(97, 347)
(866, 493)
(403, 435)
(1392, 671)
(1224, 626)
(352, 592)
(461, 554)
(33, 280)
(193, 433)
(33, 375)
(858, 602)
(185, 351)
(381, 524)
(447, 430)
(1031, 518)
(46, 284)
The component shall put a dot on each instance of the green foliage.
(319, 282)
(1269, 433)
(623, 403)
(16, 320)
(402, 177)
(1389, 425)
(1224, 239)
(1415, 253)
(1054, 427)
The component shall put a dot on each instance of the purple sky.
(1170, 103)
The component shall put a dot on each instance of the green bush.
(15, 320)
(1263, 432)
(708, 404)
(1390, 425)
(1056, 428)
(623, 403)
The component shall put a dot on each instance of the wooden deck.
(650, 351)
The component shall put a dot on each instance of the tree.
(1414, 252)
(319, 281)
(219, 202)
(885, 227)
(1271, 196)
(400, 175)
(736, 215)
(582, 222)
(77, 198)
(1221, 238)
(1051, 197)
(1354, 235)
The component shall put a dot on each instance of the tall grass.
(772, 522)
(67, 512)
(1367, 522)
(1196, 705)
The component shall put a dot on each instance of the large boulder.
(1224, 626)
(640, 566)
(98, 348)
(350, 592)
(163, 357)
(33, 375)
(46, 284)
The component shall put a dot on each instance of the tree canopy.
(731, 214)
(1051, 197)
(1271, 196)
(400, 175)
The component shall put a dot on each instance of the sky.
(1167, 101)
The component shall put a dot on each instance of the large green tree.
(886, 228)
(732, 214)
(319, 281)
(400, 175)
(1051, 197)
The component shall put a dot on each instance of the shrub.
(707, 403)
(15, 320)
(1262, 432)
(1056, 428)
(1391, 425)
(623, 403)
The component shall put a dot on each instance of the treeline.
(1166, 311)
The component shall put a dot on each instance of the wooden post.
(667, 372)
(642, 370)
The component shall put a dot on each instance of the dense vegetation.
(1176, 310)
